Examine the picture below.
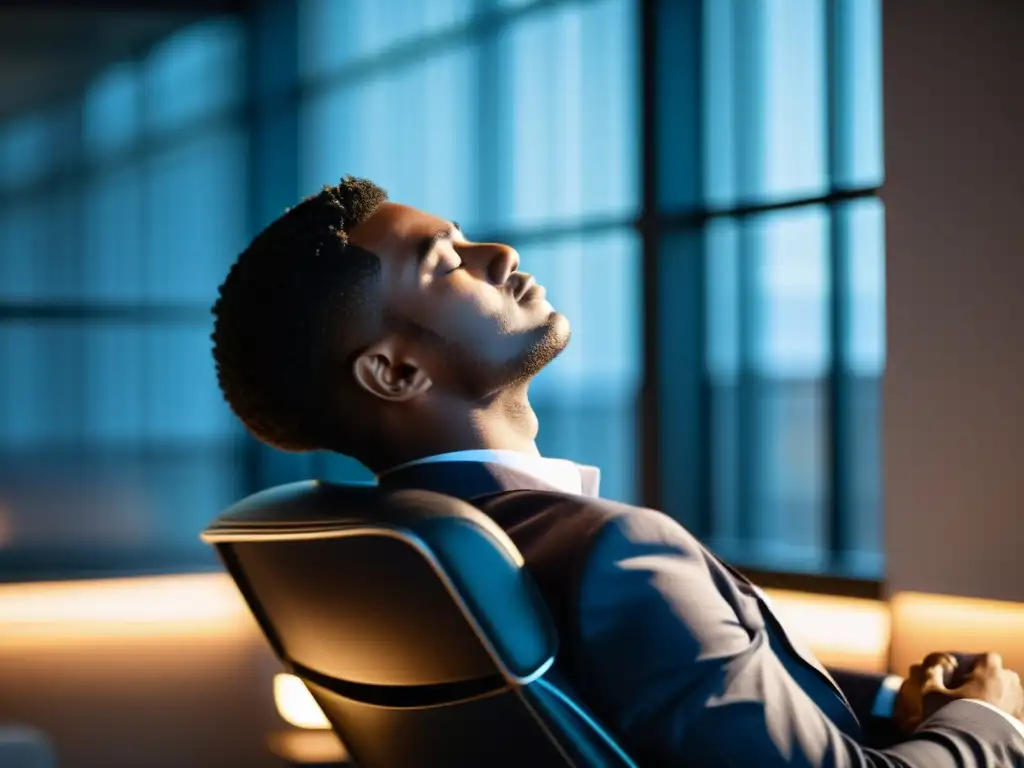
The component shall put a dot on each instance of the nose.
(504, 263)
(496, 261)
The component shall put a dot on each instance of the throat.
(504, 424)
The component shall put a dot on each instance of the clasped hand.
(944, 677)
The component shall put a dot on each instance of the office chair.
(410, 618)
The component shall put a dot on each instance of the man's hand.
(987, 681)
(942, 678)
(908, 711)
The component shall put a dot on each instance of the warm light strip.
(296, 704)
(152, 605)
(967, 614)
(842, 631)
(923, 623)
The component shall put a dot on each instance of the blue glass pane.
(114, 407)
(115, 264)
(58, 261)
(517, 4)
(720, 108)
(28, 149)
(787, 475)
(864, 280)
(858, 122)
(40, 256)
(195, 217)
(789, 267)
(22, 229)
(110, 116)
(278, 467)
(586, 399)
(768, 473)
(538, 127)
(568, 102)
(765, 85)
(21, 377)
(43, 376)
(193, 74)
(861, 225)
(334, 34)
(108, 506)
(186, 491)
(182, 400)
(769, 288)
(411, 131)
(724, 348)
(723, 300)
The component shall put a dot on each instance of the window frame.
(675, 463)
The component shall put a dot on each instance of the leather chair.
(410, 618)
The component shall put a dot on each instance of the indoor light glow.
(296, 704)
(189, 604)
(847, 632)
(923, 623)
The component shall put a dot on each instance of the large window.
(782, 218)
(693, 180)
(122, 211)
(519, 121)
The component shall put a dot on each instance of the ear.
(385, 373)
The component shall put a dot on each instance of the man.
(360, 326)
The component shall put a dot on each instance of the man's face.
(485, 324)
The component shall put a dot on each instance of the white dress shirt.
(565, 475)
(569, 477)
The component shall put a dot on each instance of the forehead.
(393, 231)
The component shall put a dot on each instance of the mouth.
(534, 293)
(528, 290)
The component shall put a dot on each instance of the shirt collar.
(565, 475)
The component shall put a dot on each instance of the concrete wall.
(954, 388)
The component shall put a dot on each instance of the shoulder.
(551, 513)
(591, 523)
(632, 531)
(580, 531)
(614, 546)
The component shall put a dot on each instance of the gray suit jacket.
(676, 652)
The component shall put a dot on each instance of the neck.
(505, 422)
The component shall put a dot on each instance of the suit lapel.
(794, 643)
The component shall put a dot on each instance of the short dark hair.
(297, 304)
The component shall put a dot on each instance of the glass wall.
(519, 121)
(524, 120)
(794, 266)
(121, 213)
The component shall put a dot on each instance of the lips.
(526, 283)
(532, 293)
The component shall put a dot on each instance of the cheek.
(476, 307)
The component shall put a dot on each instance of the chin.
(537, 348)
(549, 340)
(559, 329)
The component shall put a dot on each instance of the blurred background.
(131, 183)
(701, 185)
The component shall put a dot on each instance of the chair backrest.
(411, 619)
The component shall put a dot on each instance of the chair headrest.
(466, 548)
(314, 505)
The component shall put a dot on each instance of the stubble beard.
(483, 380)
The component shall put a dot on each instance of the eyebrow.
(427, 244)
